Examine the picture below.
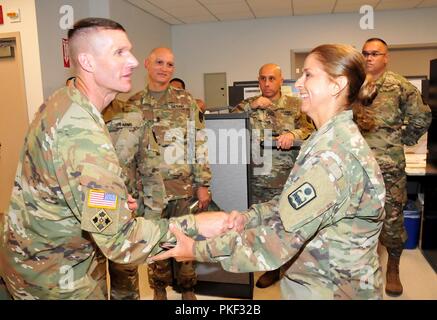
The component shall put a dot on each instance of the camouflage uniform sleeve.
(96, 193)
(306, 206)
(125, 129)
(417, 113)
(243, 106)
(201, 168)
(302, 126)
(261, 212)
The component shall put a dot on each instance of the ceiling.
(177, 12)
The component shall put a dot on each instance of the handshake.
(209, 224)
(212, 224)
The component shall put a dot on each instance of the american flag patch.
(102, 199)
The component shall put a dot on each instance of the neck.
(321, 118)
(158, 87)
(98, 96)
(378, 75)
(275, 97)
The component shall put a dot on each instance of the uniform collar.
(147, 94)
(82, 101)
(342, 117)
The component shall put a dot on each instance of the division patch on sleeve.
(101, 220)
(102, 199)
(307, 198)
(302, 196)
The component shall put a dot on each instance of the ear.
(146, 63)
(86, 61)
(339, 84)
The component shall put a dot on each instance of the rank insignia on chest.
(101, 220)
(302, 196)
(102, 199)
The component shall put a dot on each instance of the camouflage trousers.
(393, 234)
(160, 273)
(4, 293)
(262, 194)
(124, 281)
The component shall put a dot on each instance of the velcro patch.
(302, 196)
(102, 199)
(101, 220)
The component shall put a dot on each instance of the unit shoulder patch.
(101, 220)
(302, 196)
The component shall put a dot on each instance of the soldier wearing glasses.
(398, 102)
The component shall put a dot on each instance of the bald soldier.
(69, 210)
(283, 116)
(163, 122)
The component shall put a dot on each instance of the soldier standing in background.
(398, 103)
(171, 131)
(283, 116)
(70, 210)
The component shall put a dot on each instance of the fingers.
(162, 256)
(285, 141)
(176, 232)
(131, 203)
(203, 204)
(238, 221)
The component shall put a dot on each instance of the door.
(215, 90)
(13, 112)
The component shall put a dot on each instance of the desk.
(428, 238)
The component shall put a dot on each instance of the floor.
(418, 279)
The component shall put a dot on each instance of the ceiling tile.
(397, 4)
(353, 5)
(195, 11)
(234, 16)
(427, 4)
(305, 7)
(228, 7)
(262, 8)
(209, 2)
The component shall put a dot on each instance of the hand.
(183, 251)
(131, 203)
(213, 223)
(285, 141)
(261, 103)
(238, 220)
(204, 198)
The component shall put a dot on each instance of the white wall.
(50, 37)
(30, 49)
(145, 33)
(240, 48)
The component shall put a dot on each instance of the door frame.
(18, 56)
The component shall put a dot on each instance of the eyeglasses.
(373, 54)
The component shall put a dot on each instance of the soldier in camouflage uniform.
(282, 115)
(398, 103)
(331, 210)
(124, 277)
(164, 123)
(69, 209)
